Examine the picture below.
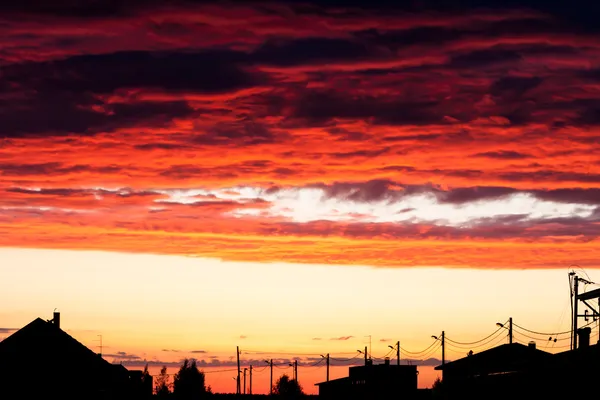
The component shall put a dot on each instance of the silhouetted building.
(42, 361)
(487, 374)
(370, 381)
(522, 370)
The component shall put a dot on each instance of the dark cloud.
(319, 108)
(376, 190)
(161, 146)
(472, 194)
(485, 58)
(514, 86)
(61, 96)
(401, 38)
(121, 355)
(198, 351)
(312, 51)
(8, 330)
(385, 190)
(68, 8)
(342, 338)
(503, 155)
(575, 195)
(361, 153)
(240, 133)
(202, 72)
(58, 116)
(550, 176)
(49, 168)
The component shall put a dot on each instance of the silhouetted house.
(489, 373)
(523, 370)
(371, 381)
(574, 370)
(42, 361)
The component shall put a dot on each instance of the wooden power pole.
(250, 389)
(238, 389)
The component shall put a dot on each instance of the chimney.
(584, 337)
(531, 345)
(387, 361)
(56, 319)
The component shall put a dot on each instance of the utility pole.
(271, 384)
(245, 380)
(250, 379)
(327, 360)
(398, 351)
(510, 331)
(100, 338)
(365, 355)
(443, 348)
(238, 390)
(575, 311)
(296, 370)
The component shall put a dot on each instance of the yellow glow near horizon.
(155, 302)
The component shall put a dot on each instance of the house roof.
(45, 341)
(345, 379)
(503, 358)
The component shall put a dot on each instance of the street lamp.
(509, 329)
(397, 348)
(327, 363)
(442, 339)
(270, 362)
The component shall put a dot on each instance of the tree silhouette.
(287, 388)
(147, 381)
(437, 389)
(162, 387)
(189, 382)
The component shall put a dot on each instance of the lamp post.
(327, 360)
(442, 339)
(270, 362)
(510, 329)
(365, 353)
(397, 347)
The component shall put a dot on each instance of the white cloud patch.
(313, 204)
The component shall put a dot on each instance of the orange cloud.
(271, 133)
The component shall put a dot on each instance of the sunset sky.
(185, 177)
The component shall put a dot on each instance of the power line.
(548, 333)
(281, 353)
(480, 340)
(386, 355)
(419, 352)
(550, 338)
(344, 360)
(494, 342)
(221, 370)
(431, 352)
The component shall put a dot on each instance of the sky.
(200, 175)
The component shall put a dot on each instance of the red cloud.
(97, 118)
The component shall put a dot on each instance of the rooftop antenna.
(100, 338)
